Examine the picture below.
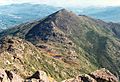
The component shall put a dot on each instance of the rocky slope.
(61, 42)
(24, 58)
(101, 75)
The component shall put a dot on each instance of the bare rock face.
(3, 76)
(38, 76)
(81, 78)
(101, 75)
(8, 76)
(10, 45)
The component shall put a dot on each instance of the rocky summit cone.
(54, 26)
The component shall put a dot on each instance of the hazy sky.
(63, 3)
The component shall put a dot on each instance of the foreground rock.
(9, 76)
(39, 76)
(102, 75)
(81, 78)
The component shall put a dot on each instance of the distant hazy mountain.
(11, 15)
(110, 14)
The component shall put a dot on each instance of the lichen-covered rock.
(10, 44)
(9, 76)
(3, 76)
(81, 78)
(101, 75)
(39, 76)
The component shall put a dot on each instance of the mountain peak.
(56, 23)
(63, 13)
(64, 10)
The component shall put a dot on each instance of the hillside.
(76, 44)
(24, 59)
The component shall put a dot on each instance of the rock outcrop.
(101, 75)
(39, 76)
(9, 76)
(81, 78)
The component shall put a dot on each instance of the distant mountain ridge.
(14, 14)
(109, 14)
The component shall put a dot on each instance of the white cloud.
(68, 2)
